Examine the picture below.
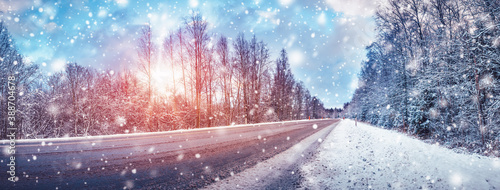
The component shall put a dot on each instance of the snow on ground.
(65, 138)
(364, 156)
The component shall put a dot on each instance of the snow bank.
(66, 138)
(368, 157)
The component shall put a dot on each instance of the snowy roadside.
(364, 156)
(66, 138)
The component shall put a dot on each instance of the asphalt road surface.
(165, 160)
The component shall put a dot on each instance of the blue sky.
(325, 39)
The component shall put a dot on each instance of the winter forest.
(221, 84)
(434, 72)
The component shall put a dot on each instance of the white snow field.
(363, 157)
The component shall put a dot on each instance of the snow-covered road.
(364, 157)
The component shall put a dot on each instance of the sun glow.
(162, 79)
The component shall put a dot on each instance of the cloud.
(322, 19)
(350, 39)
(8, 6)
(338, 60)
(122, 3)
(354, 7)
(193, 3)
(286, 2)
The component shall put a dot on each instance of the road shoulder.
(279, 172)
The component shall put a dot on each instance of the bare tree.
(242, 56)
(181, 57)
(12, 64)
(145, 51)
(282, 88)
(298, 100)
(209, 82)
(260, 64)
(197, 28)
(76, 76)
(226, 73)
(168, 48)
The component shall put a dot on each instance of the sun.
(161, 79)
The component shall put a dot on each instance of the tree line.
(219, 82)
(434, 71)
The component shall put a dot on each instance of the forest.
(223, 81)
(434, 72)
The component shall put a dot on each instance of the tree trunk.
(179, 34)
(479, 103)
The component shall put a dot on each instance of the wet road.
(164, 160)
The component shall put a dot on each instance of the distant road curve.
(165, 160)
